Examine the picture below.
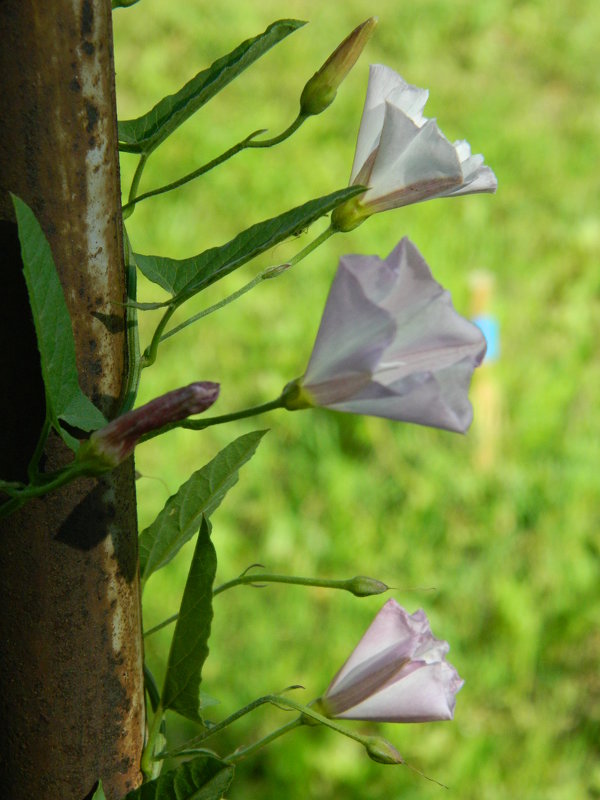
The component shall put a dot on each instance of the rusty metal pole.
(71, 685)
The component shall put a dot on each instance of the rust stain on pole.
(71, 685)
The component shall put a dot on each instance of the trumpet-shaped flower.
(402, 156)
(396, 673)
(391, 345)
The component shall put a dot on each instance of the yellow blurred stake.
(485, 391)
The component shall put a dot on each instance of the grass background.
(494, 534)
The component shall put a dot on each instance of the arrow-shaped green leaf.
(189, 646)
(64, 399)
(199, 495)
(184, 278)
(144, 134)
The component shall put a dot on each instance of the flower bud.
(109, 446)
(361, 586)
(380, 750)
(321, 89)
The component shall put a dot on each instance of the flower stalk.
(359, 586)
(248, 142)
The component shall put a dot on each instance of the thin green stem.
(32, 469)
(200, 424)
(10, 506)
(54, 481)
(133, 340)
(289, 579)
(244, 752)
(306, 711)
(161, 625)
(266, 274)
(348, 585)
(229, 299)
(149, 356)
(219, 726)
(300, 119)
(312, 246)
(248, 142)
(129, 207)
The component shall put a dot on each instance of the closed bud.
(109, 446)
(361, 586)
(382, 751)
(321, 89)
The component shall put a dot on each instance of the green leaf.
(64, 399)
(202, 778)
(144, 134)
(189, 646)
(199, 495)
(99, 793)
(184, 278)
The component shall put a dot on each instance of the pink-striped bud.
(111, 445)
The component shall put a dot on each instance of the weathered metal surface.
(71, 687)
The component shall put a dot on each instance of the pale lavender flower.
(402, 156)
(391, 345)
(396, 673)
(111, 445)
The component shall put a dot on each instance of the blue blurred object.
(490, 328)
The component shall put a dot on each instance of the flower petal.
(352, 335)
(436, 400)
(476, 176)
(402, 156)
(392, 626)
(383, 81)
(424, 695)
(408, 170)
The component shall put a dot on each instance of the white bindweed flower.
(397, 673)
(390, 344)
(402, 156)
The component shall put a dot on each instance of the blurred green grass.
(503, 557)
